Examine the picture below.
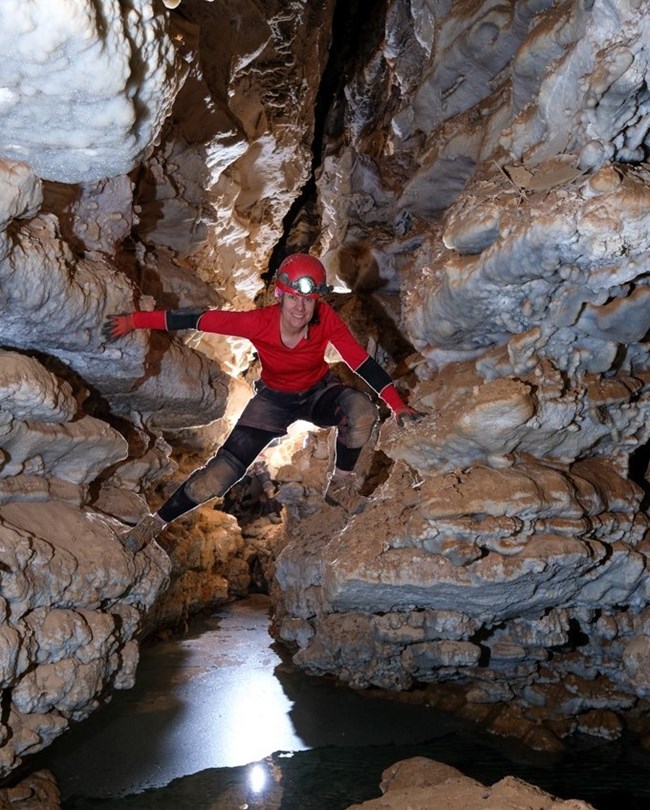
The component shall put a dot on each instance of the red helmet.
(302, 274)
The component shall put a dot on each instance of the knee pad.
(360, 418)
(216, 478)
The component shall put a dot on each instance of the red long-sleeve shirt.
(283, 368)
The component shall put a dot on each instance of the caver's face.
(297, 310)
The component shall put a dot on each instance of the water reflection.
(218, 720)
(255, 717)
(333, 778)
(257, 778)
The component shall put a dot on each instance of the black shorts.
(274, 411)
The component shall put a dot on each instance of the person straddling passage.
(291, 337)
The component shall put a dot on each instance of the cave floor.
(220, 718)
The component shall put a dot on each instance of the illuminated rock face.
(481, 181)
(85, 87)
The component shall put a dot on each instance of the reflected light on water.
(258, 718)
(257, 778)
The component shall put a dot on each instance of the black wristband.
(373, 374)
(182, 318)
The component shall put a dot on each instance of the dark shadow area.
(334, 777)
(328, 713)
(357, 28)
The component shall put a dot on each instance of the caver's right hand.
(117, 326)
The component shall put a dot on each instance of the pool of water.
(219, 718)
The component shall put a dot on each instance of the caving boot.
(343, 491)
(140, 535)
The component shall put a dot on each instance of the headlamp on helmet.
(302, 274)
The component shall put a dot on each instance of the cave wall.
(493, 176)
(474, 176)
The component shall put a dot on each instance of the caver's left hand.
(407, 414)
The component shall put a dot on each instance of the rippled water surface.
(219, 720)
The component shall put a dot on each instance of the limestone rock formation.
(499, 195)
(85, 86)
(39, 790)
(418, 784)
(475, 177)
